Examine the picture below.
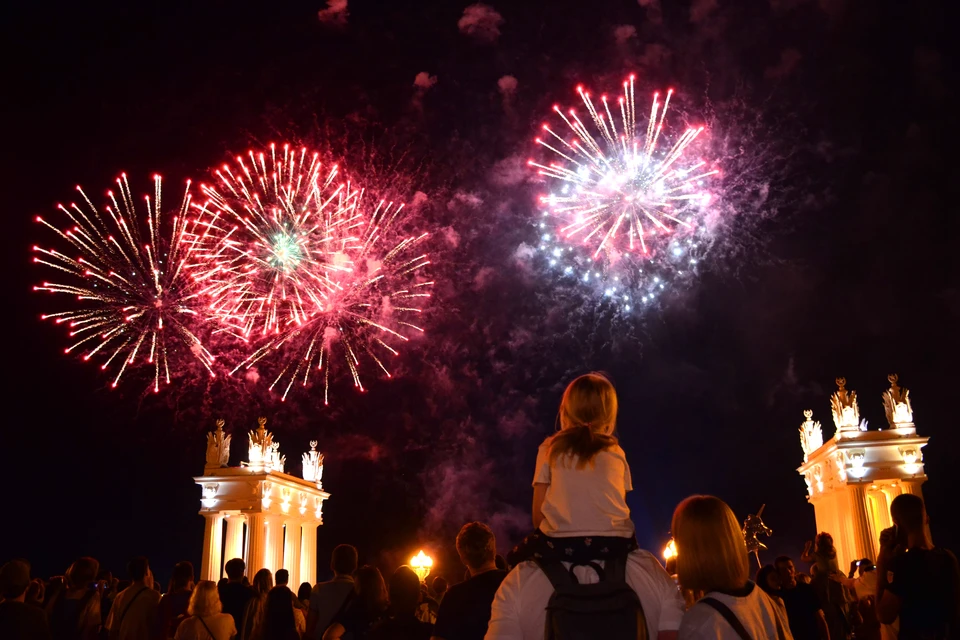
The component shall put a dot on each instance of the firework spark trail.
(293, 267)
(619, 190)
(134, 297)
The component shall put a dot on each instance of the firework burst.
(272, 239)
(628, 201)
(293, 267)
(134, 295)
(375, 304)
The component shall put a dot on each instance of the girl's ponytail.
(588, 416)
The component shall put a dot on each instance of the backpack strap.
(616, 569)
(212, 637)
(347, 601)
(728, 615)
(557, 574)
(127, 608)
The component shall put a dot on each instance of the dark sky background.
(837, 255)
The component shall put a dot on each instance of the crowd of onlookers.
(356, 604)
(916, 596)
(579, 575)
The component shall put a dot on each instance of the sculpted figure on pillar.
(277, 461)
(846, 409)
(218, 448)
(313, 465)
(811, 434)
(896, 403)
(263, 452)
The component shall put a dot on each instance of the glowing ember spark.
(622, 190)
(134, 294)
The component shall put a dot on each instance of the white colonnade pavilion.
(257, 511)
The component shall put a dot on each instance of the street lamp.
(670, 557)
(670, 551)
(421, 564)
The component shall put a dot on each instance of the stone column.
(291, 552)
(234, 545)
(274, 556)
(860, 526)
(912, 487)
(212, 543)
(308, 552)
(256, 543)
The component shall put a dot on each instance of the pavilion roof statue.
(263, 453)
(896, 404)
(846, 410)
(811, 434)
(313, 465)
(218, 448)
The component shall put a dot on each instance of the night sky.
(836, 255)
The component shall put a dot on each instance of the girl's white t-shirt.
(591, 501)
(757, 612)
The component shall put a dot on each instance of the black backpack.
(609, 608)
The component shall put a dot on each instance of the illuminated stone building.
(854, 476)
(257, 511)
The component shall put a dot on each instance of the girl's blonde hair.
(711, 551)
(204, 601)
(588, 416)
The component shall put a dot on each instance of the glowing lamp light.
(857, 460)
(910, 458)
(209, 499)
(670, 551)
(421, 565)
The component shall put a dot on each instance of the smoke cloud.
(481, 21)
(700, 10)
(789, 60)
(507, 85)
(335, 14)
(424, 80)
(624, 33)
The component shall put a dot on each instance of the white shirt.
(134, 613)
(757, 612)
(591, 501)
(519, 608)
(866, 585)
(221, 624)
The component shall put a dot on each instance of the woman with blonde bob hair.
(712, 562)
(206, 620)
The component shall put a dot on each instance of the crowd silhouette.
(579, 575)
